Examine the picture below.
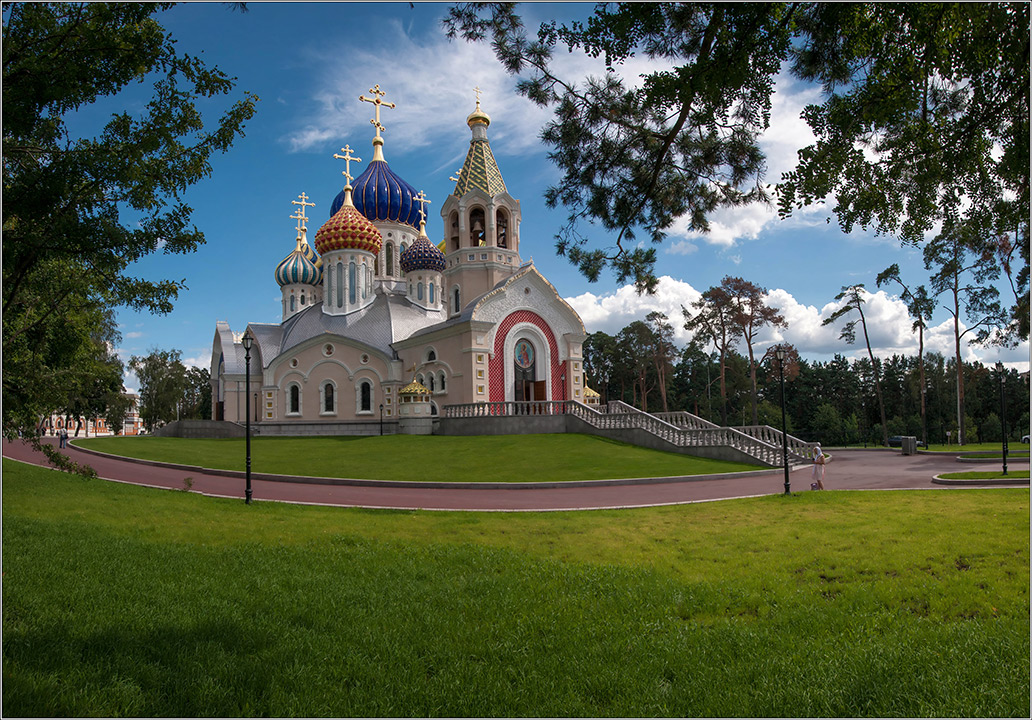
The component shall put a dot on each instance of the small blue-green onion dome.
(422, 254)
(381, 195)
(298, 269)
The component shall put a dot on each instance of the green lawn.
(983, 475)
(120, 600)
(483, 458)
(978, 447)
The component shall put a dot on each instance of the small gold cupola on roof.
(478, 116)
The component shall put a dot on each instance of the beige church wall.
(321, 361)
(455, 358)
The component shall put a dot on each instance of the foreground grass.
(120, 600)
(983, 475)
(483, 458)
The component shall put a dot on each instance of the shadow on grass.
(216, 668)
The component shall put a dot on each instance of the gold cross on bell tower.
(422, 200)
(347, 158)
(377, 101)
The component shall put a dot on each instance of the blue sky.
(309, 63)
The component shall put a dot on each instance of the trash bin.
(909, 445)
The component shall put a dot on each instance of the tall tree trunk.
(723, 393)
(921, 375)
(877, 380)
(752, 377)
(961, 429)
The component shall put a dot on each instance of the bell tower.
(481, 222)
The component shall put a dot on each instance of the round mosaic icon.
(524, 354)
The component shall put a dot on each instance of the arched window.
(421, 380)
(389, 260)
(455, 300)
(454, 230)
(431, 293)
(365, 401)
(431, 356)
(340, 284)
(502, 228)
(477, 228)
(419, 290)
(328, 405)
(291, 303)
(443, 386)
(294, 406)
(430, 387)
(352, 290)
(302, 299)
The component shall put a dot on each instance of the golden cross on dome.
(300, 217)
(458, 173)
(422, 200)
(347, 158)
(477, 91)
(299, 214)
(377, 102)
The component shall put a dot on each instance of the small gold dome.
(478, 116)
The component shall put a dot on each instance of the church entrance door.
(526, 387)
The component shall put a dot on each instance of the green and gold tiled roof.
(480, 171)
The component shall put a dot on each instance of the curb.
(355, 482)
(979, 482)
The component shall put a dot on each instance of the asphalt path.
(849, 470)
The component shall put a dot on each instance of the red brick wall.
(497, 365)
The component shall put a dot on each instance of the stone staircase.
(680, 431)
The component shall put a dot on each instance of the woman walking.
(818, 466)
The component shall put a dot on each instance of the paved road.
(849, 470)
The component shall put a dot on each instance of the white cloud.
(133, 334)
(888, 324)
(425, 112)
(203, 360)
(612, 312)
(787, 133)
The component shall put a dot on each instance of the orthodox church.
(379, 318)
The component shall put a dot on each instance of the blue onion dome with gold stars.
(422, 254)
(381, 195)
(298, 268)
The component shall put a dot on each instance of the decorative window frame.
(358, 397)
(300, 399)
(323, 412)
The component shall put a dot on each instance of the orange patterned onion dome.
(348, 229)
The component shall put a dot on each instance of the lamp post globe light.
(1003, 413)
(247, 341)
(781, 353)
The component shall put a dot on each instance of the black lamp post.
(381, 418)
(781, 354)
(1003, 413)
(247, 341)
